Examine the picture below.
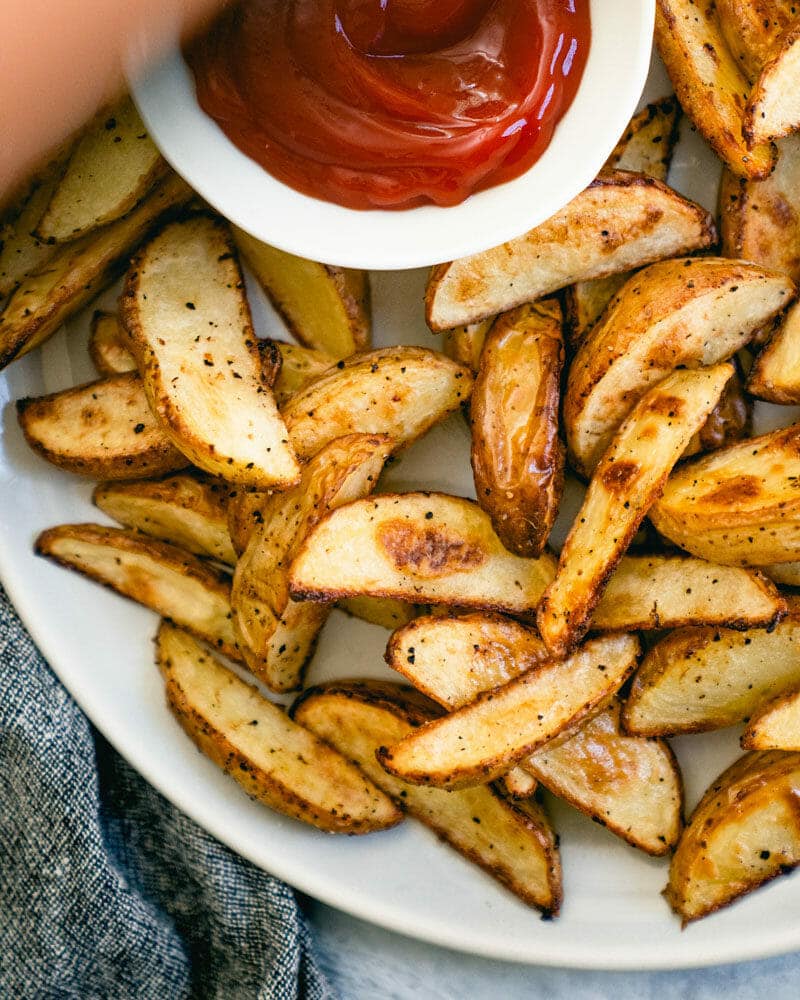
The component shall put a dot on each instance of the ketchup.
(393, 103)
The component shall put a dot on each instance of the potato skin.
(517, 455)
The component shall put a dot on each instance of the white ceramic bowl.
(622, 32)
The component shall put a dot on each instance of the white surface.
(246, 194)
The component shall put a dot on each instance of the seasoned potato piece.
(512, 842)
(709, 82)
(586, 301)
(675, 314)
(398, 391)
(107, 347)
(740, 505)
(416, 547)
(481, 740)
(204, 380)
(519, 783)
(775, 374)
(325, 308)
(188, 510)
(381, 611)
(776, 725)
(464, 343)
(170, 581)
(276, 760)
(621, 221)
(104, 429)
(627, 481)
(277, 635)
(299, 367)
(785, 574)
(744, 832)
(773, 109)
(729, 421)
(752, 27)
(517, 454)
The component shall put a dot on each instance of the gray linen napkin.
(106, 890)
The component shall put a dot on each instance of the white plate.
(403, 879)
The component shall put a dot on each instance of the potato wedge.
(784, 574)
(416, 547)
(752, 28)
(104, 430)
(776, 725)
(517, 453)
(699, 679)
(744, 832)
(325, 308)
(464, 344)
(299, 367)
(78, 271)
(709, 82)
(675, 314)
(113, 166)
(204, 379)
(620, 222)
(512, 842)
(187, 510)
(729, 421)
(398, 391)
(586, 301)
(171, 582)
(627, 481)
(381, 611)
(519, 783)
(773, 109)
(775, 374)
(739, 505)
(107, 347)
(278, 636)
(276, 760)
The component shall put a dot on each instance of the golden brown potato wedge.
(699, 679)
(512, 842)
(483, 739)
(744, 832)
(299, 367)
(398, 391)
(784, 574)
(381, 611)
(519, 783)
(621, 221)
(416, 547)
(107, 348)
(278, 636)
(275, 759)
(464, 344)
(189, 328)
(709, 82)
(188, 510)
(676, 314)
(517, 453)
(170, 581)
(752, 28)
(775, 725)
(586, 301)
(78, 271)
(325, 308)
(104, 429)
(627, 481)
(111, 169)
(739, 505)
(729, 421)
(773, 109)
(775, 374)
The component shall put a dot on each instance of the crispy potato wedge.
(698, 679)
(517, 453)
(275, 759)
(776, 725)
(627, 481)
(170, 581)
(107, 348)
(675, 314)
(416, 547)
(621, 221)
(709, 82)
(104, 429)
(773, 109)
(278, 636)
(187, 510)
(381, 611)
(244, 514)
(78, 271)
(775, 374)
(111, 169)
(752, 28)
(744, 832)
(739, 505)
(325, 308)
(464, 344)
(398, 391)
(512, 842)
(299, 367)
(729, 421)
(204, 380)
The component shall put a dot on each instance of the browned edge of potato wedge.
(277, 761)
(730, 421)
(775, 725)
(299, 367)
(381, 611)
(773, 107)
(775, 375)
(752, 27)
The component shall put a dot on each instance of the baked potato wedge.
(620, 222)
(627, 481)
(419, 547)
(381, 611)
(739, 505)
(107, 348)
(325, 308)
(744, 832)
(752, 28)
(299, 367)
(162, 577)
(512, 842)
(709, 82)
(729, 421)
(519, 783)
(187, 510)
(104, 430)
(675, 314)
(775, 375)
(463, 344)
(501, 727)
(784, 574)
(773, 108)
(776, 725)
(275, 759)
